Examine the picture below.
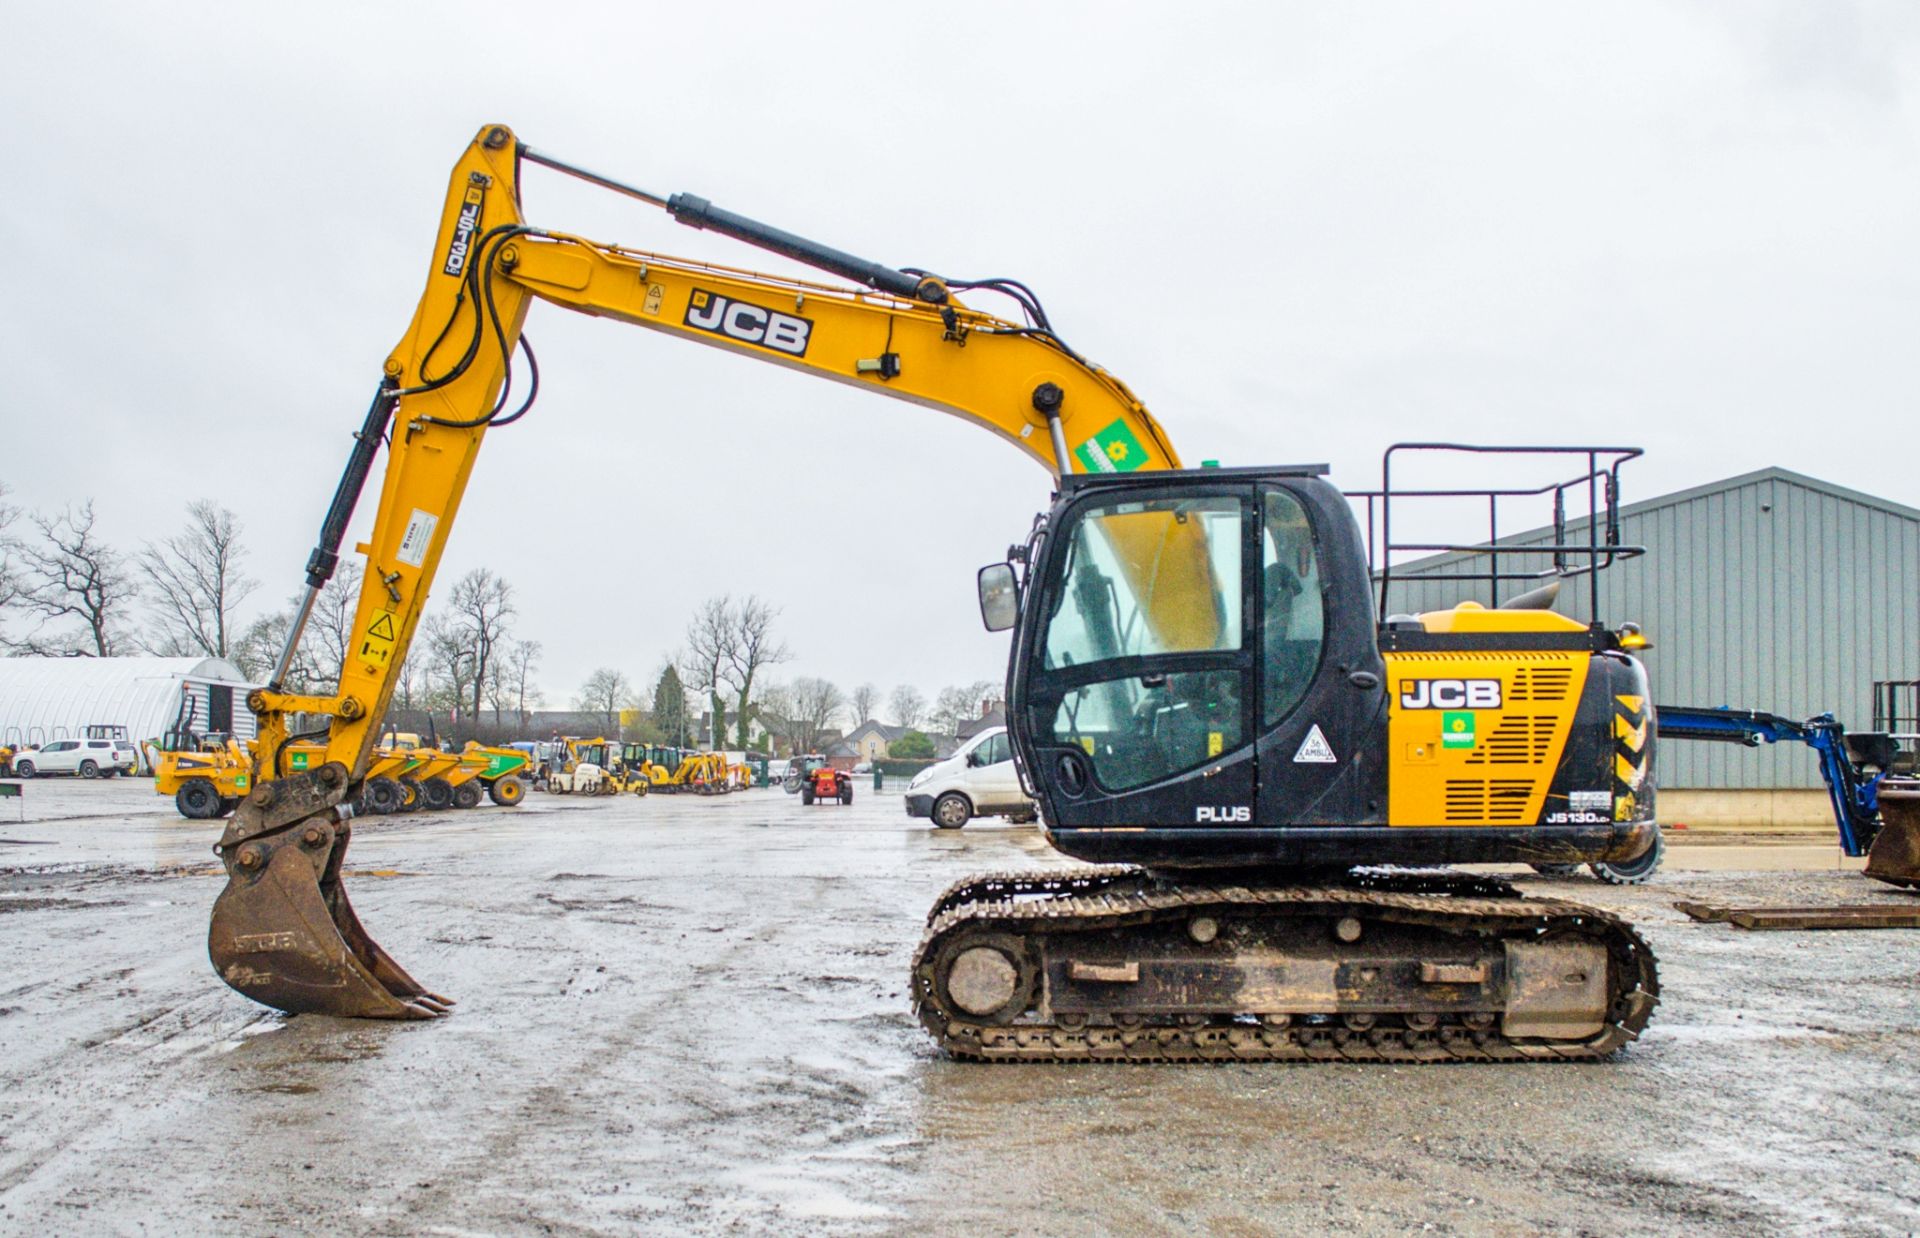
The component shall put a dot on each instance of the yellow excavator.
(1201, 696)
(598, 767)
(697, 773)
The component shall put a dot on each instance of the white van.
(977, 781)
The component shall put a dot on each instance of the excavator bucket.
(1895, 855)
(283, 930)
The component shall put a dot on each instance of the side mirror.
(973, 759)
(999, 597)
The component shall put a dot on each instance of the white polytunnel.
(44, 699)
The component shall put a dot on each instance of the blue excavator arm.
(1853, 765)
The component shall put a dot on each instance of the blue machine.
(1852, 764)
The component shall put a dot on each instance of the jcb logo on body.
(1210, 815)
(752, 324)
(1449, 694)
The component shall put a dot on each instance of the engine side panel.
(1475, 737)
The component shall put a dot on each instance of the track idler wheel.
(283, 931)
(1895, 855)
(989, 976)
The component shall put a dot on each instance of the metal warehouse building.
(43, 699)
(1771, 590)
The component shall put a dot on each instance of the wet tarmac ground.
(690, 1015)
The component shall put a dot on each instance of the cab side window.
(1294, 631)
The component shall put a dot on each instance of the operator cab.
(1179, 662)
(1198, 679)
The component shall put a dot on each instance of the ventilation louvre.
(1540, 684)
(1520, 739)
(1498, 800)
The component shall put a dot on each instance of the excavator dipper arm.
(283, 931)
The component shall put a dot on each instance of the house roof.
(871, 727)
(997, 716)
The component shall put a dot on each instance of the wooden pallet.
(1858, 916)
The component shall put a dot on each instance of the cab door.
(1139, 673)
(1322, 703)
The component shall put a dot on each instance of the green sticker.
(299, 761)
(1112, 450)
(1456, 728)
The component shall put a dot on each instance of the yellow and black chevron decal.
(1630, 727)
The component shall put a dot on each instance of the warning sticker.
(376, 648)
(419, 535)
(1314, 750)
(1590, 801)
(655, 293)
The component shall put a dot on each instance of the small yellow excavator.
(697, 773)
(1202, 695)
(597, 767)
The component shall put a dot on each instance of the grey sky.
(1299, 233)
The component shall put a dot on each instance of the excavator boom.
(283, 931)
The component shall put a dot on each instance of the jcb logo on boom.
(1449, 694)
(753, 324)
(463, 230)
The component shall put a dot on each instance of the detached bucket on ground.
(1895, 854)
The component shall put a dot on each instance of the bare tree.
(482, 611)
(704, 668)
(604, 693)
(10, 586)
(69, 575)
(194, 584)
(907, 706)
(958, 704)
(865, 699)
(258, 648)
(324, 645)
(750, 649)
(409, 686)
(449, 665)
(809, 708)
(330, 635)
(514, 682)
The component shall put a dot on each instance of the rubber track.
(1085, 900)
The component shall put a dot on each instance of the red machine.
(826, 784)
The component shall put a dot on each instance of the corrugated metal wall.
(1767, 592)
